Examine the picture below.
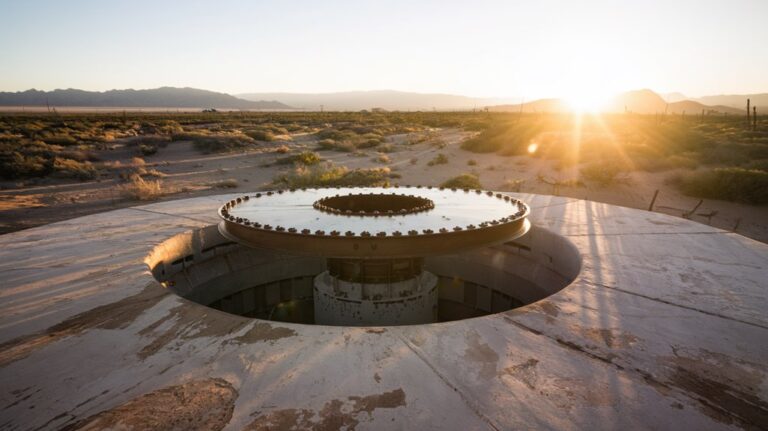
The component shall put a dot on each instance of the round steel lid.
(374, 222)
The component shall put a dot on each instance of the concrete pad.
(664, 328)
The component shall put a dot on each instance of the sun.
(582, 101)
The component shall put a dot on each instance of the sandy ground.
(190, 173)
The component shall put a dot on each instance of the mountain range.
(638, 101)
(390, 100)
(164, 97)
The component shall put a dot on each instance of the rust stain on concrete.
(482, 354)
(525, 372)
(191, 321)
(727, 388)
(115, 315)
(335, 414)
(196, 405)
(264, 332)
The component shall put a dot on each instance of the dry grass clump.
(283, 149)
(602, 173)
(260, 135)
(387, 148)
(218, 142)
(333, 145)
(304, 158)
(327, 174)
(229, 183)
(137, 188)
(349, 139)
(68, 168)
(512, 185)
(463, 181)
(382, 158)
(440, 159)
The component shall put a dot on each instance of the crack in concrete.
(646, 233)
(709, 313)
(169, 215)
(645, 375)
(475, 409)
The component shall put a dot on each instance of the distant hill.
(647, 102)
(675, 97)
(638, 101)
(164, 97)
(385, 99)
(540, 105)
(737, 100)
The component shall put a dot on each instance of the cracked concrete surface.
(665, 328)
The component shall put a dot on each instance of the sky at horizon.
(483, 48)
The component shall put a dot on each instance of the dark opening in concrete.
(208, 269)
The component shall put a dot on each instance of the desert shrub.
(368, 143)
(439, 159)
(63, 140)
(221, 143)
(79, 155)
(137, 188)
(229, 183)
(463, 181)
(68, 168)
(383, 158)
(512, 185)
(147, 150)
(601, 172)
(330, 144)
(328, 174)
(730, 184)
(14, 164)
(387, 148)
(283, 149)
(414, 161)
(260, 135)
(471, 162)
(336, 135)
(302, 158)
(760, 165)
(326, 144)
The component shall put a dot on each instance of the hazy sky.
(478, 48)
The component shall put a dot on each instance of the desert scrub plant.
(440, 159)
(147, 149)
(14, 165)
(463, 181)
(68, 168)
(332, 145)
(512, 185)
(139, 189)
(303, 158)
(283, 149)
(387, 148)
(602, 173)
(215, 143)
(471, 162)
(229, 183)
(328, 174)
(729, 184)
(260, 135)
(382, 158)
